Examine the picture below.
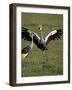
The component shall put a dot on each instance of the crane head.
(40, 27)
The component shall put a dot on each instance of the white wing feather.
(37, 35)
(51, 33)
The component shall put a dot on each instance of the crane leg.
(45, 55)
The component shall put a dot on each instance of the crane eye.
(38, 27)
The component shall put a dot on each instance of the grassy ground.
(49, 62)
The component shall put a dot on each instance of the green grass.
(49, 62)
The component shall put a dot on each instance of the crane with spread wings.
(41, 42)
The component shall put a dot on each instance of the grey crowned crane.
(25, 51)
(40, 41)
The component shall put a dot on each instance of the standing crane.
(42, 42)
(27, 49)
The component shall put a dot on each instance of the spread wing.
(26, 35)
(56, 34)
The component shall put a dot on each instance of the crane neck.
(32, 39)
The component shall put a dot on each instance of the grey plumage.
(26, 49)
